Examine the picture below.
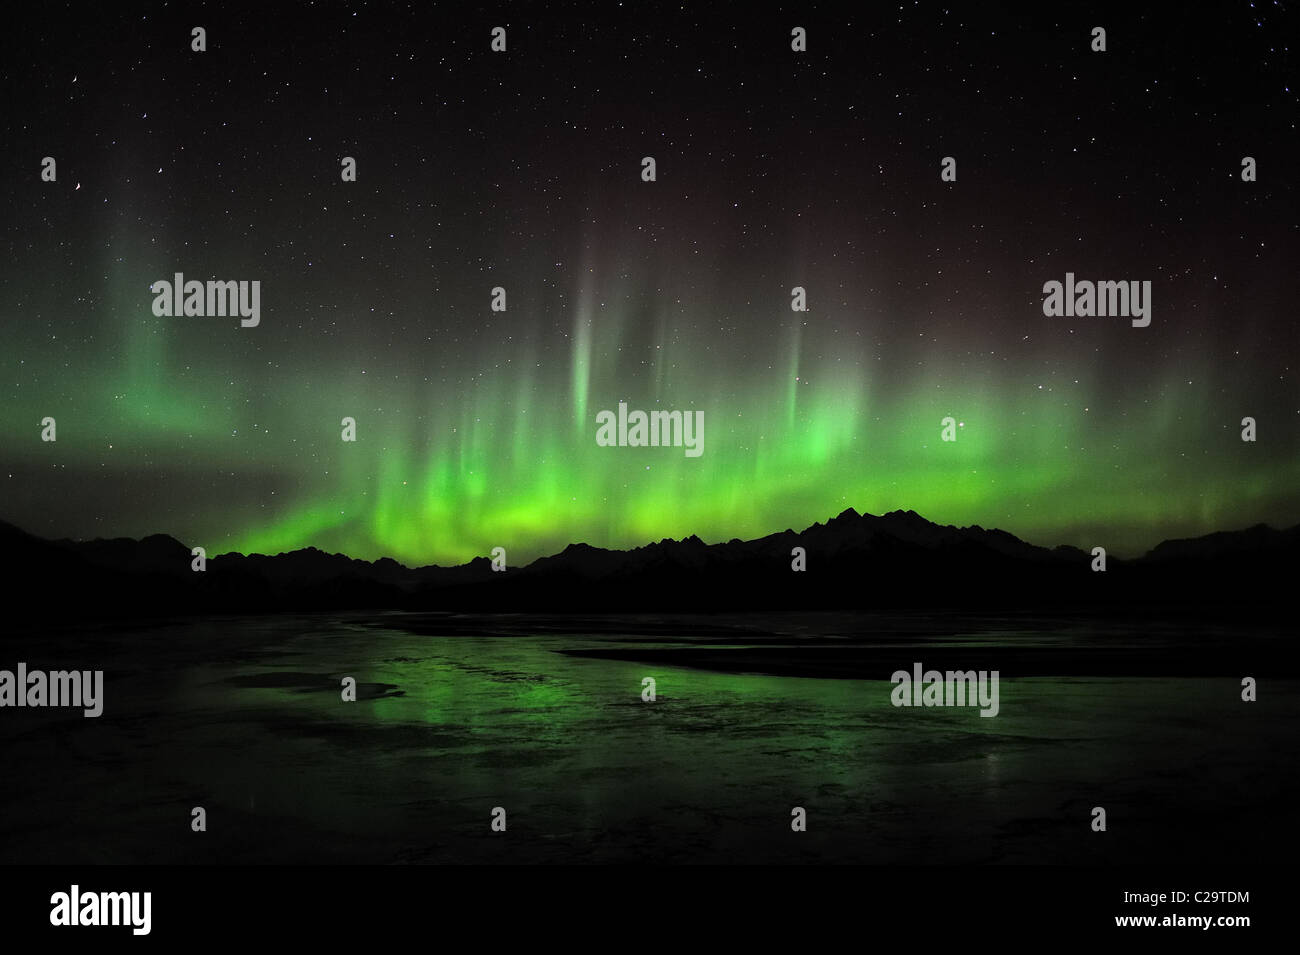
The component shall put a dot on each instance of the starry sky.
(522, 169)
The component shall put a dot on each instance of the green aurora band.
(498, 449)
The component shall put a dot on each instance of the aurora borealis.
(521, 170)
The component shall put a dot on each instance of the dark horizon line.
(480, 559)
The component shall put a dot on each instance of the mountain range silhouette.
(854, 561)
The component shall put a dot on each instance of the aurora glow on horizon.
(477, 429)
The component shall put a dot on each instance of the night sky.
(522, 169)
